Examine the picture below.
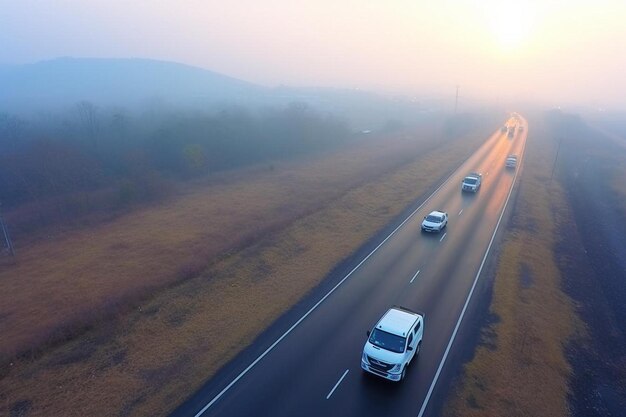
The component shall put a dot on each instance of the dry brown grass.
(62, 284)
(147, 360)
(520, 369)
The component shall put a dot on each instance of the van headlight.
(396, 368)
(364, 358)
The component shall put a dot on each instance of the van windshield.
(388, 341)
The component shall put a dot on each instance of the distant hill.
(59, 84)
(64, 81)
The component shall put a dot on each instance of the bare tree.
(88, 119)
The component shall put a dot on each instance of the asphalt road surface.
(309, 363)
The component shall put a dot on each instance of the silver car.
(435, 221)
(511, 161)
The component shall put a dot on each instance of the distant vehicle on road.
(511, 131)
(511, 161)
(393, 342)
(435, 221)
(472, 182)
(503, 129)
(520, 128)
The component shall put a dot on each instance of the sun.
(509, 34)
(510, 23)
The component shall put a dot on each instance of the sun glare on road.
(510, 23)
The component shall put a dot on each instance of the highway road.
(308, 364)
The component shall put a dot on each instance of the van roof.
(398, 321)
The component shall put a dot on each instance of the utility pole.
(558, 149)
(7, 238)
(456, 100)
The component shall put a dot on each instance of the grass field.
(146, 360)
(520, 367)
(61, 284)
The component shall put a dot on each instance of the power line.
(7, 238)
(558, 149)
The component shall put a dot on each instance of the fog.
(132, 96)
(176, 176)
(135, 96)
(556, 53)
(133, 156)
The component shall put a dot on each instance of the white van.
(393, 342)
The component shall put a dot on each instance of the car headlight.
(396, 368)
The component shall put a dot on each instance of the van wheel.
(403, 373)
(419, 348)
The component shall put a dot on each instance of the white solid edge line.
(443, 237)
(337, 384)
(273, 345)
(414, 276)
(469, 296)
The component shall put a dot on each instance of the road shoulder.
(519, 365)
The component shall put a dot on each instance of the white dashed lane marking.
(337, 384)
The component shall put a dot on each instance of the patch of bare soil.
(593, 260)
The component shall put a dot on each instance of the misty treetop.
(88, 148)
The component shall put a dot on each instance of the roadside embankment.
(520, 366)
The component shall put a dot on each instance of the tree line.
(89, 148)
(89, 158)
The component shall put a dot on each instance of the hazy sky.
(559, 51)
